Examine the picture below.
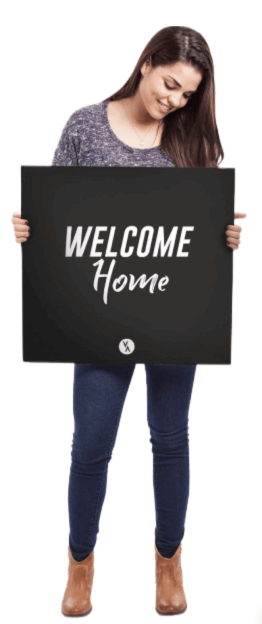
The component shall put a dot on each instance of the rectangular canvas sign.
(127, 265)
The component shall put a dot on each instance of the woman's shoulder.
(86, 116)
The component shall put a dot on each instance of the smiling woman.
(163, 116)
(149, 107)
(170, 96)
(164, 111)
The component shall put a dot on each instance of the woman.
(164, 116)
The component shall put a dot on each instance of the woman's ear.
(145, 66)
(143, 69)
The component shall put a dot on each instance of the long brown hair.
(190, 136)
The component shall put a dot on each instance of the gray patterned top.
(88, 140)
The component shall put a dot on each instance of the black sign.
(127, 265)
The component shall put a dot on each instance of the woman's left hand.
(233, 232)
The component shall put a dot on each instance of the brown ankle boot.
(76, 600)
(170, 596)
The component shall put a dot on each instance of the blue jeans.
(98, 399)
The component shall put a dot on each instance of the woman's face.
(171, 85)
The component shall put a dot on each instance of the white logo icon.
(126, 346)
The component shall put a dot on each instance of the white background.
(57, 57)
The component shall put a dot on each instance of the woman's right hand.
(21, 228)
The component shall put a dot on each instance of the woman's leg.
(98, 398)
(169, 390)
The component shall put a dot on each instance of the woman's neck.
(136, 111)
(130, 125)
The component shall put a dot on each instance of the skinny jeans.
(99, 393)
